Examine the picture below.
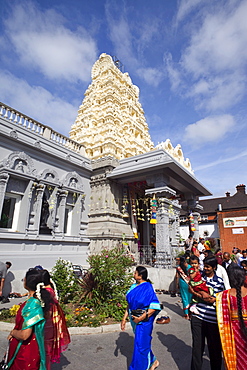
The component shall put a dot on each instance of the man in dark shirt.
(226, 260)
(3, 272)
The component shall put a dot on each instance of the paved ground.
(171, 345)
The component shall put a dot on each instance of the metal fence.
(149, 256)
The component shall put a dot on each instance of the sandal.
(163, 320)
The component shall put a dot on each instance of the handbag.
(139, 312)
(3, 363)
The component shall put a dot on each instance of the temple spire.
(110, 120)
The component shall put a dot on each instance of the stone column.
(59, 228)
(196, 232)
(174, 223)
(3, 185)
(163, 247)
(83, 224)
(34, 218)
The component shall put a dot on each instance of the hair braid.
(240, 312)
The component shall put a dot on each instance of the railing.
(149, 256)
(38, 128)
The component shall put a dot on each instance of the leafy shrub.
(5, 314)
(111, 275)
(100, 294)
(66, 282)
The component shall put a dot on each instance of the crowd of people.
(40, 333)
(213, 289)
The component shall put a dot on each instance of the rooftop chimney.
(240, 188)
(228, 194)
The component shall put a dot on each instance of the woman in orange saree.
(231, 308)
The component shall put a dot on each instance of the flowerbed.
(96, 299)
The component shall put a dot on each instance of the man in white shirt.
(200, 246)
(243, 257)
(221, 272)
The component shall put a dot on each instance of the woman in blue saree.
(141, 295)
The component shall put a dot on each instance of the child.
(196, 282)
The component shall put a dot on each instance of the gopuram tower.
(111, 120)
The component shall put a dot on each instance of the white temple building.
(105, 185)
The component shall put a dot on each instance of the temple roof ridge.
(176, 153)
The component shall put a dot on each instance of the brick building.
(224, 219)
(232, 220)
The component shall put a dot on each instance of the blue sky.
(188, 57)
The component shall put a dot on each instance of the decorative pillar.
(163, 247)
(60, 215)
(3, 185)
(196, 215)
(34, 218)
(83, 224)
(163, 228)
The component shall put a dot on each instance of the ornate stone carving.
(73, 180)
(49, 175)
(111, 121)
(176, 153)
(37, 145)
(13, 134)
(20, 162)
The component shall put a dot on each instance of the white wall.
(212, 229)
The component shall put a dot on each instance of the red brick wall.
(228, 240)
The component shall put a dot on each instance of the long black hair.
(237, 278)
(143, 272)
(182, 261)
(33, 278)
(46, 277)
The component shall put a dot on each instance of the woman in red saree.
(231, 308)
(57, 335)
(26, 347)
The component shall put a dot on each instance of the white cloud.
(42, 42)
(185, 7)
(209, 129)
(173, 73)
(120, 34)
(212, 68)
(219, 92)
(221, 161)
(131, 40)
(37, 103)
(152, 76)
(219, 45)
